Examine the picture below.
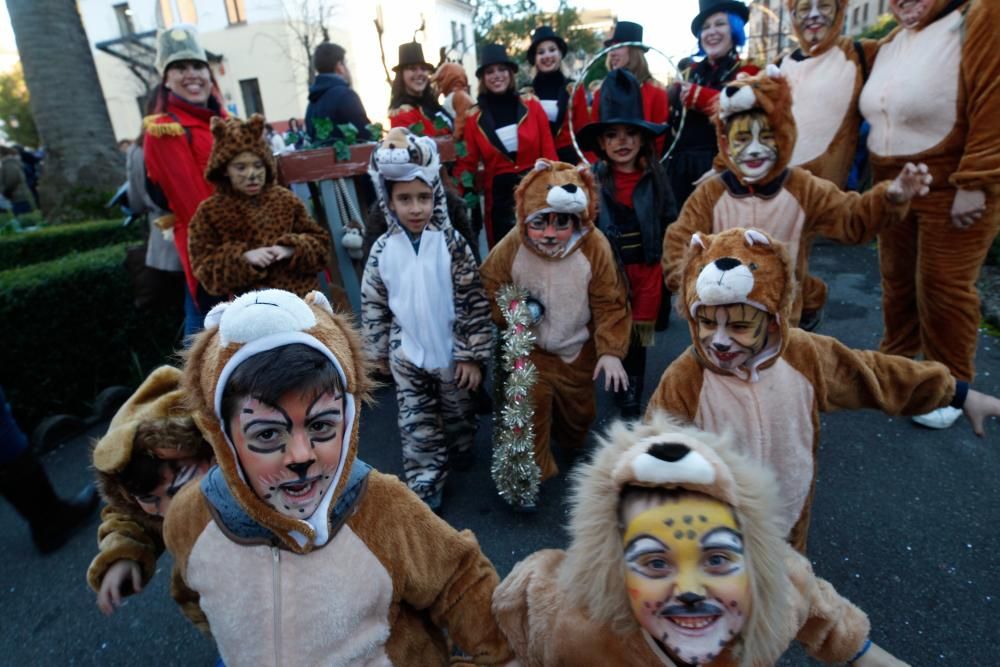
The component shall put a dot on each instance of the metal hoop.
(583, 75)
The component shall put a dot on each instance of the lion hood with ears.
(556, 187)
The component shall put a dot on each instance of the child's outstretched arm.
(978, 407)
(496, 272)
(376, 318)
(309, 242)
(609, 305)
(695, 216)
(472, 331)
(127, 555)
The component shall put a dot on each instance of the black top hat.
(411, 53)
(709, 7)
(494, 54)
(621, 104)
(625, 31)
(544, 34)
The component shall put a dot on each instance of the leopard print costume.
(400, 301)
(229, 223)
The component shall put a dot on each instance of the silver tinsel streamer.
(514, 470)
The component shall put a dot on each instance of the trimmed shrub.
(50, 243)
(70, 329)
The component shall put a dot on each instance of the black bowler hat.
(625, 31)
(709, 7)
(411, 53)
(544, 34)
(494, 54)
(621, 104)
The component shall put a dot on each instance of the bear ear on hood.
(699, 243)
(256, 124)
(218, 127)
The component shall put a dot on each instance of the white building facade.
(256, 50)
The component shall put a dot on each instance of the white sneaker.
(940, 418)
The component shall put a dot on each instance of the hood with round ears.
(736, 266)
(665, 454)
(258, 322)
(556, 187)
(832, 35)
(232, 136)
(769, 92)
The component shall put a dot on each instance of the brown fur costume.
(452, 82)
(826, 81)
(934, 96)
(571, 607)
(229, 223)
(126, 531)
(586, 308)
(773, 406)
(390, 578)
(788, 203)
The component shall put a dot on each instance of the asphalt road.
(905, 523)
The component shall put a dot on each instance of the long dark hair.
(399, 96)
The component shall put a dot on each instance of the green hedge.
(50, 243)
(70, 328)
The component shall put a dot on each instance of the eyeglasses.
(558, 221)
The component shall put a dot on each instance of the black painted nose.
(300, 469)
(569, 187)
(668, 451)
(690, 598)
(727, 263)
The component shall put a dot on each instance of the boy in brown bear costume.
(757, 137)
(583, 323)
(252, 233)
(151, 450)
(748, 370)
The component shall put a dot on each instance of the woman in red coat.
(507, 133)
(177, 145)
(655, 107)
(414, 100)
(553, 89)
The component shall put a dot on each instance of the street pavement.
(905, 522)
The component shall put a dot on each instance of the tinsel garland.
(514, 470)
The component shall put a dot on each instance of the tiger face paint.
(732, 335)
(751, 144)
(686, 577)
(814, 19)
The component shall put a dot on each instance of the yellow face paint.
(686, 576)
(752, 145)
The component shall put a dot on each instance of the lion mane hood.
(666, 454)
(556, 187)
(832, 36)
(232, 136)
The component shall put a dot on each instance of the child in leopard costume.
(424, 311)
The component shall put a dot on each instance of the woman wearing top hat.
(178, 142)
(719, 27)
(413, 100)
(553, 88)
(507, 133)
(636, 205)
(655, 107)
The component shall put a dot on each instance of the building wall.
(265, 48)
(861, 14)
(769, 31)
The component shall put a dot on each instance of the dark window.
(864, 13)
(881, 7)
(454, 33)
(236, 11)
(252, 102)
(854, 17)
(124, 16)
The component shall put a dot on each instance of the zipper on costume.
(276, 593)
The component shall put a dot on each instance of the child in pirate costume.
(636, 206)
(291, 551)
(749, 371)
(151, 450)
(252, 233)
(582, 321)
(757, 137)
(424, 312)
(675, 559)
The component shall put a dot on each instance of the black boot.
(53, 520)
(628, 400)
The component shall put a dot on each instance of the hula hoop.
(583, 75)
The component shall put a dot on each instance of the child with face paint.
(582, 330)
(750, 372)
(424, 313)
(292, 551)
(675, 559)
(637, 204)
(252, 233)
(151, 450)
(757, 136)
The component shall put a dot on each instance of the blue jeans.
(194, 319)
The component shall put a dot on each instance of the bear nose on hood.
(727, 263)
(731, 90)
(671, 452)
(569, 187)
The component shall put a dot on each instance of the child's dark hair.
(143, 472)
(269, 375)
(647, 150)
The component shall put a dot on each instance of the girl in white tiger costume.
(425, 312)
